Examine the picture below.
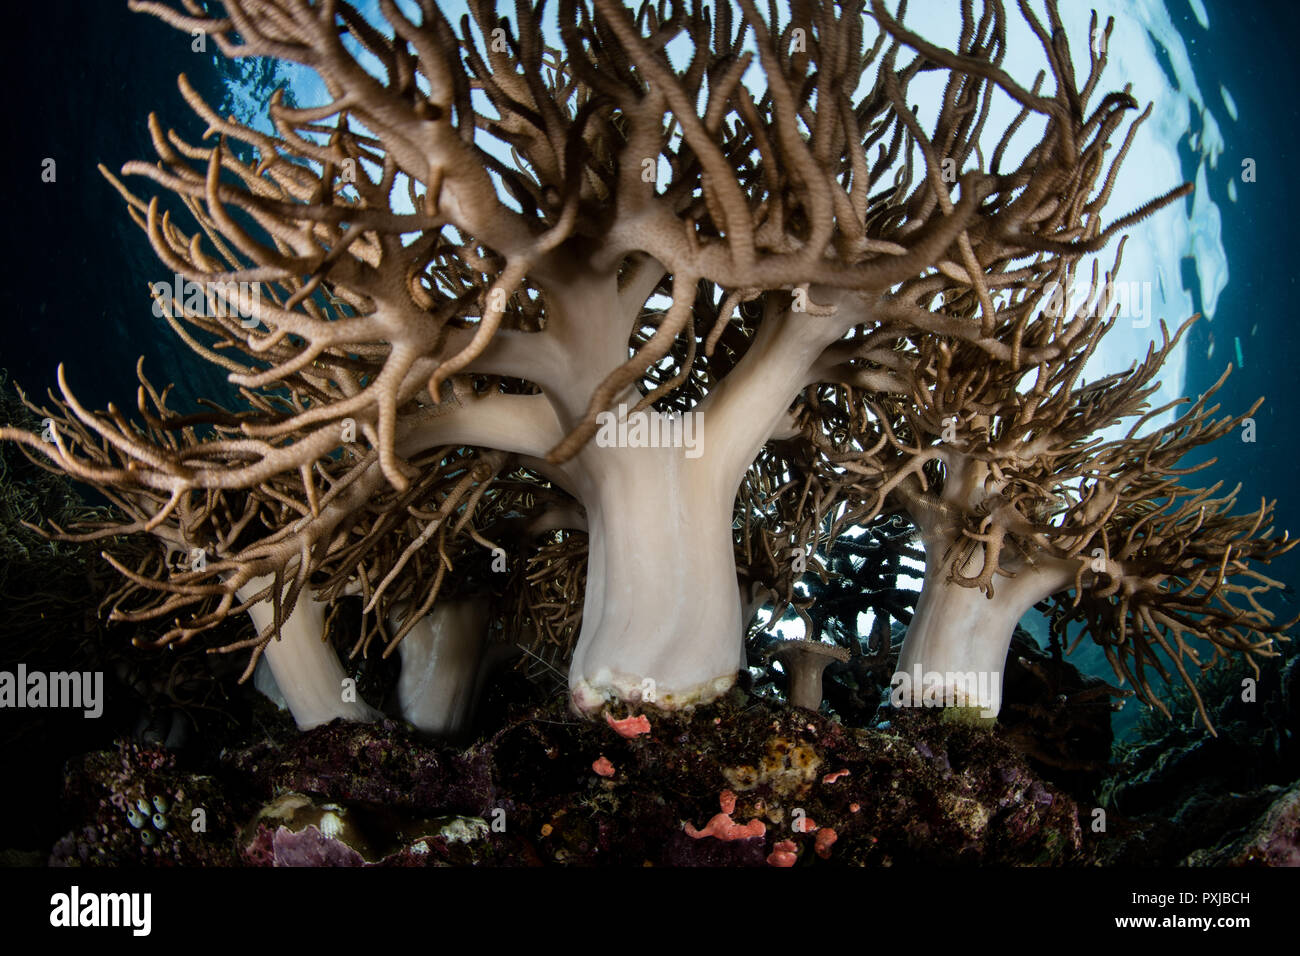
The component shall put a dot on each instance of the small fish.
(1241, 361)
(1288, 594)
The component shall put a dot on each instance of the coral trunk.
(441, 657)
(955, 650)
(306, 669)
(662, 618)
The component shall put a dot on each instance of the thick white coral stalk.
(306, 668)
(441, 660)
(662, 619)
(955, 649)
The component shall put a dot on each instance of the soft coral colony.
(862, 313)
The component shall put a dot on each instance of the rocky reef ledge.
(744, 782)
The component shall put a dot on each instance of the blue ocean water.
(1245, 50)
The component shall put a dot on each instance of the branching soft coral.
(1016, 503)
(433, 323)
